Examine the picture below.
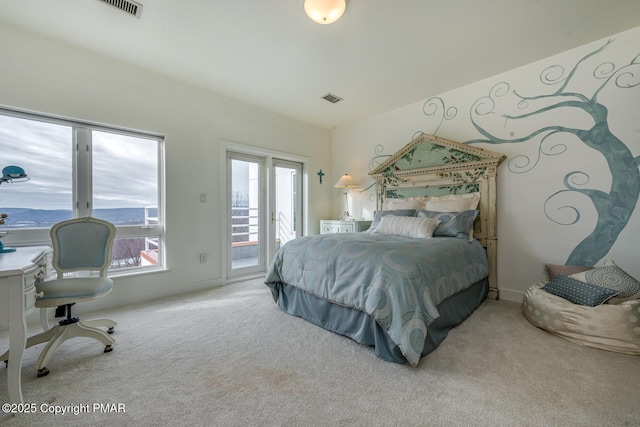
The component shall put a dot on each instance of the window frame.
(82, 187)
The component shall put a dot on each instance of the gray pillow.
(452, 224)
(566, 270)
(578, 292)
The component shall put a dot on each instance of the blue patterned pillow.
(452, 224)
(578, 292)
(377, 216)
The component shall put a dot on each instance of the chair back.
(82, 244)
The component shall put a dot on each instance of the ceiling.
(379, 56)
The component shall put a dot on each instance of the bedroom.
(62, 79)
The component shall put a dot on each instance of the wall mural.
(613, 208)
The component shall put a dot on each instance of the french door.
(265, 209)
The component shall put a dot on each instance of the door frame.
(225, 232)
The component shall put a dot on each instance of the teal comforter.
(397, 280)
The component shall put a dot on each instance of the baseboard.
(511, 295)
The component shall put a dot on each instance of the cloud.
(124, 167)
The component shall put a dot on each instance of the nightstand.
(328, 226)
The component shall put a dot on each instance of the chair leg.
(59, 338)
(42, 336)
(78, 329)
(81, 329)
(98, 323)
(34, 340)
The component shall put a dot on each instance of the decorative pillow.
(565, 270)
(417, 228)
(578, 292)
(452, 224)
(407, 203)
(453, 202)
(613, 277)
(377, 216)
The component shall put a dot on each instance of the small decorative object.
(346, 182)
(10, 174)
(13, 173)
(320, 174)
(3, 217)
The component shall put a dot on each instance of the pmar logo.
(107, 408)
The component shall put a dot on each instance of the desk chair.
(80, 245)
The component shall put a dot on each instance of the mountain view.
(35, 218)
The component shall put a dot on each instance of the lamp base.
(344, 217)
(3, 249)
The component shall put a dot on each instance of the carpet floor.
(229, 357)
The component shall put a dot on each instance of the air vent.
(332, 98)
(127, 6)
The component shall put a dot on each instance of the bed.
(390, 287)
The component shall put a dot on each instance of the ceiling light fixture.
(324, 11)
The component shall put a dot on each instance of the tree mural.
(614, 208)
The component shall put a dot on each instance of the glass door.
(246, 194)
(286, 203)
(265, 197)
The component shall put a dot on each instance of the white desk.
(19, 271)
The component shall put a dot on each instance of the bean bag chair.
(612, 327)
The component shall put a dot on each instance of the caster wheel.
(108, 349)
(43, 372)
(110, 330)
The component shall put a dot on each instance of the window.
(79, 169)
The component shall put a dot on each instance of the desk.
(19, 272)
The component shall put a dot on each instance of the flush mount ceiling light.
(324, 11)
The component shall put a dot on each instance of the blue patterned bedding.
(397, 280)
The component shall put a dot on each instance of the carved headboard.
(434, 166)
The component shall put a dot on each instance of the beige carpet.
(230, 357)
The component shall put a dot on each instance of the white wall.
(527, 237)
(42, 75)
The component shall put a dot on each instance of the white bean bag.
(612, 327)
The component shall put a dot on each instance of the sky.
(124, 167)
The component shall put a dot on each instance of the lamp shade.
(346, 181)
(13, 173)
(324, 11)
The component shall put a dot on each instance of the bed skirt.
(363, 329)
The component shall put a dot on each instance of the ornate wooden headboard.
(434, 166)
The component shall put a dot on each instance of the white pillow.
(453, 202)
(407, 226)
(407, 203)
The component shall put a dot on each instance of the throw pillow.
(578, 292)
(613, 277)
(452, 224)
(377, 216)
(452, 202)
(565, 270)
(417, 228)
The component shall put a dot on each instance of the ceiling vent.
(130, 7)
(332, 98)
